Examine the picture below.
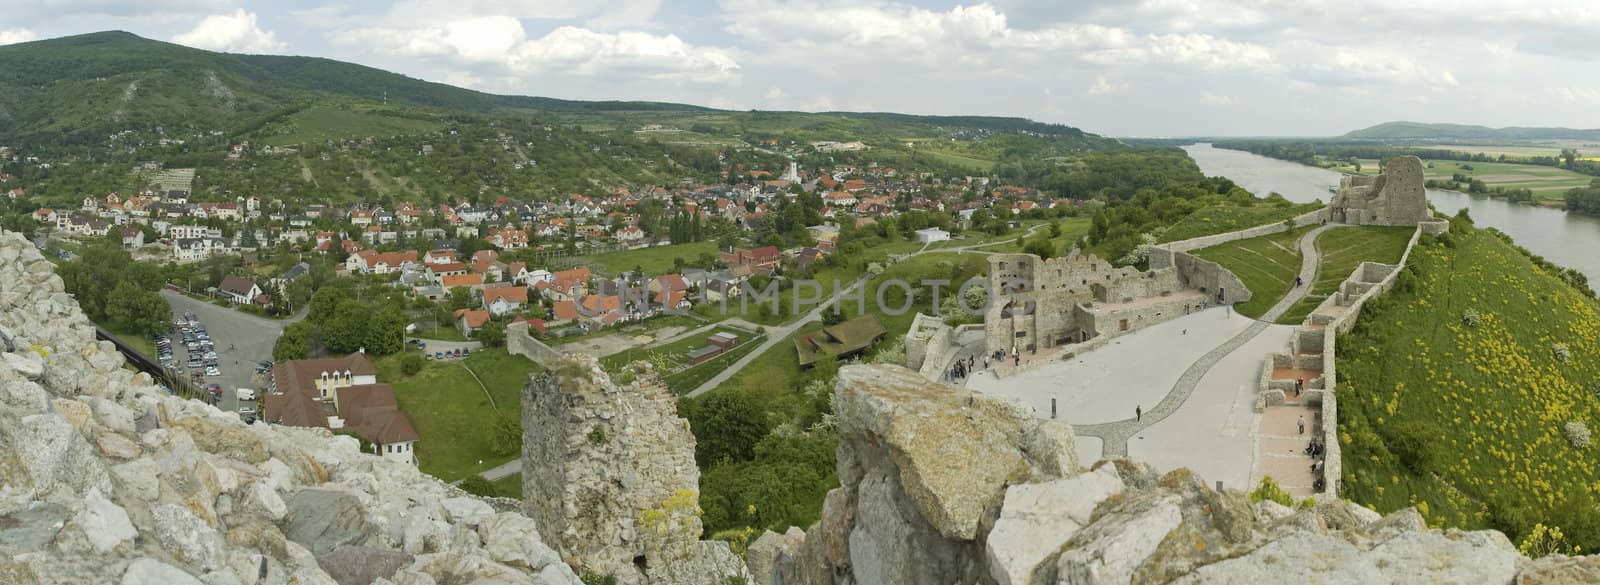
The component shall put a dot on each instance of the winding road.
(1114, 435)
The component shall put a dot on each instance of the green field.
(655, 260)
(451, 412)
(1221, 219)
(1267, 265)
(1340, 251)
(669, 357)
(320, 123)
(1454, 390)
(957, 160)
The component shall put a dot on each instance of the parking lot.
(239, 341)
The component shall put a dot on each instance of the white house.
(933, 234)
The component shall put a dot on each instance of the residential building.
(471, 320)
(500, 301)
(374, 262)
(241, 290)
(340, 394)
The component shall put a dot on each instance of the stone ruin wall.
(610, 478)
(1061, 287)
(519, 341)
(1395, 198)
(1367, 281)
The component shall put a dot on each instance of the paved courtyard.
(242, 340)
(1105, 384)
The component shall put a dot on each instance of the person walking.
(1138, 412)
(1302, 424)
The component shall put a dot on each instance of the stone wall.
(1304, 219)
(609, 475)
(940, 485)
(520, 342)
(1337, 314)
(105, 478)
(926, 342)
(1394, 198)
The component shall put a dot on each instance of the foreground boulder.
(104, 478)
(940, 485)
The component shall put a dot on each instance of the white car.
(213, 371)
(245, 394)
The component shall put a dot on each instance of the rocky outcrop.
(105, 478)
(938, 485)
(610, 478)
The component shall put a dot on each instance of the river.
(1570, 240)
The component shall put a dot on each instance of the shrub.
(1544, 541)
(1577, 433)
(597, 436)
(478, 486)
(412, 363)
(505, 434)
(1562, 352)
(1471, 318)
(1270, 490)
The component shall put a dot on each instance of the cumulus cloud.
(16, 35)
(237, 33)
(502, 41)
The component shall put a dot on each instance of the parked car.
(213, 371)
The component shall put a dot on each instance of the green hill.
(1455, 391)
(1427, 131)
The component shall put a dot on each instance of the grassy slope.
(332, 122)
(1343, 249)
(1228, 218)
(655, 260)
(451, 413)
(1267, 265)
(1466, 422)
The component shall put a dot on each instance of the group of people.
(1316, 450)
(963, 368)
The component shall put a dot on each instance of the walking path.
(1114, 435)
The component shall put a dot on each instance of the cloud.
(1212, 99)
(237, 33)
(501, 41)
(1101, 86)
(975, 36)
(16, 35)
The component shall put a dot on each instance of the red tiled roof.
(512, 294)
(455, 280)
(475, 318)
(370, 410)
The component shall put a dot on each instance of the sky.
(1120, 68)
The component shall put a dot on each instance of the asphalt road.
(241, 339)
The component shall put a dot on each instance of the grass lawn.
(143, 343)
(687, 379)
(669, 357)
(1340, 251)
(509, 486)
(654, 260)
(1454, 393)
(441, 333)
(1222, 219)
(451, 412)
(1267, 265)
(1072, 228)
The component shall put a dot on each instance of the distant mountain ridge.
(78, 89)
(1429, 131)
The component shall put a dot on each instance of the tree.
(386, 334)
(326, 302)
(492, 334)
(294, 343)
(726, 428)
(137, 311)
(346, 331)
(505, 434)
(461, 298)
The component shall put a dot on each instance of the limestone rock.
(104, 523)
(32, 528)
(115, 445)
(1561, 570)
(187, 537)
(148, 571)
(322, 519)
(1038, 518)
(360, 565)
(1109, 551)
(467, 511)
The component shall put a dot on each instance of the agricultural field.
(1547, 183)
(452, 411)
(1340, 251)
(1267, 265)
(320, 123)
(1469, 391)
